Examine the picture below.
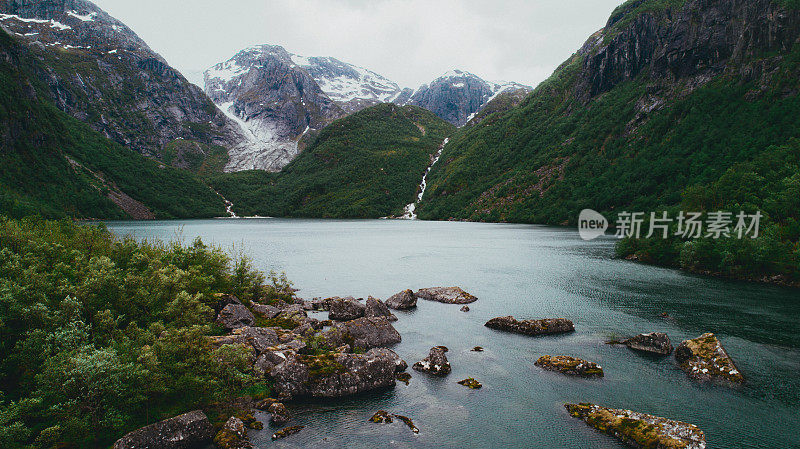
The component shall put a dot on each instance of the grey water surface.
(529, 272)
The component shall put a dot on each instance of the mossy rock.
(471, 383)
(570, 366)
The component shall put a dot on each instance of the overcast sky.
(408, 41)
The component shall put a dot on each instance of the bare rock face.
(402, 301)
(447, 295)
(344, 309)
(368, 333)
(234, 316)
(703, 358)
(570, 366)
(639, 429)
(655, 342)
(266, 310)
(531, 327)
(233, 435)
(188, 431)
(335, 375)
(376, 308)
(435, 363)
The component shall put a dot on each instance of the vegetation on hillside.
(99, 336)
(551, 157)
(367, 165)
(54, 165)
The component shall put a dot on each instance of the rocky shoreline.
(349, 353)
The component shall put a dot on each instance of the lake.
(529, 272)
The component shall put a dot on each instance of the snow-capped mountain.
(457, 95)
(274, 100)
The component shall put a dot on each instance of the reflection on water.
(526, 271)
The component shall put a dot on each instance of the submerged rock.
(234, 316)
(570, 365)
(655, 342)
(403, 377)
(376, 308)
(465, 309)
(471, 383)
(435, 363)
(384, 417)
(531, 327)
(186, 431)
(334, 375)
(447, 295)
(233, 435)
(640, 429)
(280, 414)
(402, 301)
(408, 422)
(703, 358)
(285, 432)
(345, 309)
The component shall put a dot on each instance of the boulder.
(570, 366)
(655, 342)
(447, 295)
(265, 310)
(233, 435)
(368, 333)
(188, 431)
(345, 309)
(435, 363)
(222, 300)
(471, 383)
(531, 327)
(703, 358)
(334, 375)
(280, 414)
(376, 308)
(639, 429)
(234, 316)
(285, 432)
(402, 301)
(264, 404)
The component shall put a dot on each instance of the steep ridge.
(100, 72)
(366, 165)
(53, 165)
(672, 104)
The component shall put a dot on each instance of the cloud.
(409, 41)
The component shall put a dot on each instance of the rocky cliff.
(101, 72)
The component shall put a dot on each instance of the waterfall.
(409, 210)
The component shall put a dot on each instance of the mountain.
(687, 104)
(100, 72)
(274, 100)
(457, 95)
(366, 165)
(55, 165)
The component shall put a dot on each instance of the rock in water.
(234, 316)
(334, 375)
(655, 342)
(531, 327)
(471, 383)
(280, 414)
(435, 363)
(186, 431)
(368, 333)
(233, 435)
(465, 309)
(703, 358)
(639, 429)
(477, 349)
(447, 295)
(384, 417)
(376, 308)
(283, 433)
(570, 365)
(345, 309)
(402, 301)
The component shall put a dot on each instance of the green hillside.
(366, 165)
(54, 165)
(593, 137)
